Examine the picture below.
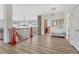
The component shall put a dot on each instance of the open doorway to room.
(47, 25)
(57, 29)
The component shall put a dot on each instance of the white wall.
(1, 16)
(72, 15)
(31, 11)
(75, 28)
(1, 23)
(1, 11)
(55, 16)
(67, 9)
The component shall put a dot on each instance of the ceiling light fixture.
(52, 14)
(53, 9)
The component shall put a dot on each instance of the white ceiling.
(31, 11)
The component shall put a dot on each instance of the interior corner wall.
(75, 28)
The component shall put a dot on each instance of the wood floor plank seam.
(42, 44)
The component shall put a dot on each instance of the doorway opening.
(47, 26)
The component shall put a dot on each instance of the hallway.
(39, 45)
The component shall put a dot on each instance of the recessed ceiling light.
(53, 9)
(52, 14)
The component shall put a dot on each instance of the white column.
(42, 25)
(7, 21)
(39, 24)
(67, 25)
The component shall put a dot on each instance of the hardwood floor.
(39, 45)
